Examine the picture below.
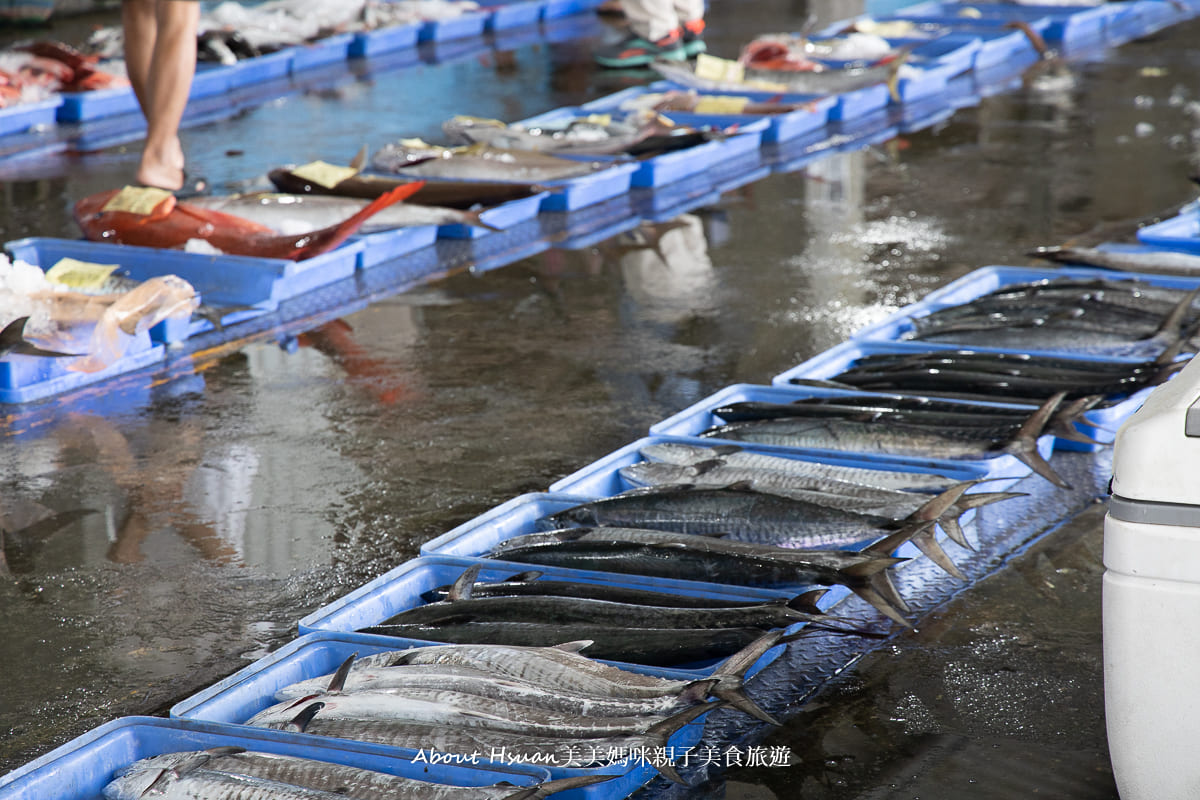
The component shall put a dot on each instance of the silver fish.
(1163, 262)
(303, 213)
(734, 456)
(582, 135)
(478, 162)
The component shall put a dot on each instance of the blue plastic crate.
(955, 49)
(331, 49)
(384, 40)
(502, 216)
(209, 80)
(260, 69)
(572, 194)
(575, 230)
(81, 768)
(220, 280)
(555, 9)
(513, 14)
(401, 588)
(252, 689)
(698, 417)
(27, 116)
(24, 379)
(463, 26)
(386, 245)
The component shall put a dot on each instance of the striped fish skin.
(205, 784)
(381, 705)
(731, 455)
(423, 677)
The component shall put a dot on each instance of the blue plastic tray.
(698, 417)
(443, 30)
(252, 689)
(210, 79)
(1181, 232)
(384, 40)
(502, 216)
(220, 280)
(401, 588)
(24, 379)
(81, 768)
(21, 118)
(1056, 24)
(572, 194)
(387, 245)
(260, 69)
(332, 49)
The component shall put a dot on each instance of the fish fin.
(980, 499)
(820, 383)
(662, 731)
(807, 602)
(299, 722)
(701, 467)
(12, 340)
(225, 750)
(927, 543)
(888, 544)
(1024, 442)
(360, 159)
(326, 239)
(726, 449)
(730, 674)
(950, 524)
(697, 691)
(576, 646)
(524, 577)
(461, 588)
(870, 595)
(941, 504)
(473, 218)
(1173, 321)
(338, 682)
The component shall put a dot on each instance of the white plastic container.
(1152, 596)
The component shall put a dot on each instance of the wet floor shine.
(202, 514)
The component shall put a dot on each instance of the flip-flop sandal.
(192, 187)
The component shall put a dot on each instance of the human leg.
(162, 59)
(654, 34)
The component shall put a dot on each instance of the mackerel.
(1163, 262)
(735, 456)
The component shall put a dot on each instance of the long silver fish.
(588, 135)
(1163, 262)
(303, 213)
(478, 162)
(337, 779)
(731, 455)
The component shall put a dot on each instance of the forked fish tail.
(662, 732)
(1024, 443)
(548, 788)
(730, 676)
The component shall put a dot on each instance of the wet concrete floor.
(228, 501)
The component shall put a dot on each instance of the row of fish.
(235, 773)
(555, 705)
(37, 70)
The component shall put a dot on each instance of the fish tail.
(927, 543)
(1062, 424)
(328, 238)
(12, 340)
(731, 673)
(871, 595)
(299, 722)
(950, 524)
(1024, 443)
(461, 588)
(698, 691)
(662, 732)
(473, 218)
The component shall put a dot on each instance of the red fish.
(172, 223)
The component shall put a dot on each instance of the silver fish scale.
(551, 668)
(860, 437)
(400, 681)
(818, 490)
(204, 784)
(479, 743)
(746, 459)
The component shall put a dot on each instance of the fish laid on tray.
(1091, 316)
(322, 178)
(155, 218)
(228, 773)
(417, 159)
(553, 704)
(623, 624)
(717, 75)
(1162, 262)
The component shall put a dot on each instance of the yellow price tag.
(972, 13)
(81, 275)
(721, 104)
(712, 68)
(599, 119)
(888, 29)
(141, 200)
(324, 174)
